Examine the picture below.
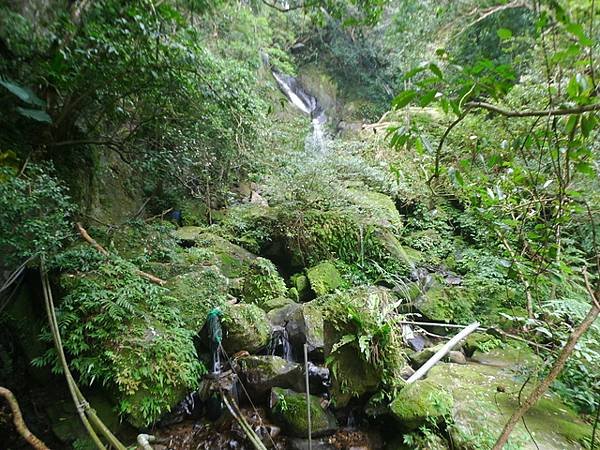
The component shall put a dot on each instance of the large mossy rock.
(289, 410)
(443, 303)
(197, 293)
(304, 325)
(486, 394)
(300, 282)
(246, 327)
(420, 403)
(261, 373)
(324, 278)
(263, 283)
(354, 321)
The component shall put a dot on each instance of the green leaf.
(436, 70)
(25, 94)
(587, 124)
(403, 99)
(35, 114)
(577, 30)
(504, 33)
(427, 98)
(585, 168)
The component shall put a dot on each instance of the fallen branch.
(533, 113)
(557, 368)
(90, 240)
(442, 352)
(19, 422)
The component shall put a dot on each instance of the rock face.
(289, 409)
(486, 394)
(261, 373)
(420, 403)
(305, 326)
(324, 278)
(246, 327)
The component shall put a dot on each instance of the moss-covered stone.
(301, 284)
(197, 293)
(305, 326)
(264, 283)
(246, 327)
(447, 303)
(277, 303)
(261, 373)
(289, 409)
(485, 395)
(324, 278)
(420, 403)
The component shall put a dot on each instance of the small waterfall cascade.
(215, 336)
(279, 345)
(309, 105)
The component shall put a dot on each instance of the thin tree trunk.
(557, 367)
(19, 422)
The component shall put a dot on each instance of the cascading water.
(308, 104)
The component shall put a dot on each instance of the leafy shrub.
(34, 213)
(125, 333)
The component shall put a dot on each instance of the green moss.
(420, 403)
(196, 293)
(480, 410)
(277, 303)
(290, 409)
(264, 284)
(301, 284)
(324, 278)
(447, 303)
(246, 327)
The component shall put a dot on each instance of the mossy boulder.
(263, 283)
(324, 278)
(447, 303)
(188, 235)
(198, 292)
(246, 327)
(289, 410)
(305, 326)
(277, 303)
(233, 261)
(420, 403)
(300, 282)
(354, 323)
(485, 395)
(263, 372)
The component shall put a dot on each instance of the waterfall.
(309, 105)
(279, 345)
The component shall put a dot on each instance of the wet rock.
(301, 284)
(280, 316)
(480, 409)
(303, 444)
(419, 403)
(246, 327)
(456, 357)
(305, 326)
(289, 409)
(324, 278)
(261, 373)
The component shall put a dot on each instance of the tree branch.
(533, 113)
(19, 422)
(557, 368)
(90, 240)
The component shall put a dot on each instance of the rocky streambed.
(359, 357)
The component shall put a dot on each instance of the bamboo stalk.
(442, 352)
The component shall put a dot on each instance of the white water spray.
(308, 105)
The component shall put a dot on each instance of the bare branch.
(534, 113)
(19, 422)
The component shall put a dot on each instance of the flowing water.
(309, 105)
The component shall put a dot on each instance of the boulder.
(420, 403)
(263, 283)
(262, 373)
(289, 409)
(305, 326)
(302, 286)
(324, 278)
(245, 327)
(485, 395)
